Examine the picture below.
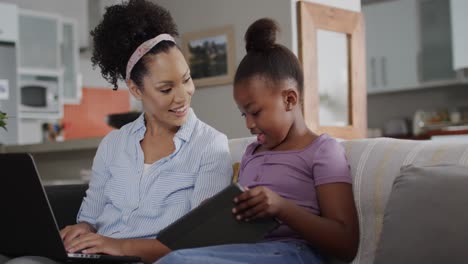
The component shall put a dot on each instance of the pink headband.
(143, 49)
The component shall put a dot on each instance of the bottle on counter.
(419, 121)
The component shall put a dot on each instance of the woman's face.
(167, 88)
(264, 108)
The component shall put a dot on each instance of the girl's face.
(264, 106)
(167, 88)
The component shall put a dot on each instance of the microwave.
(39, 96)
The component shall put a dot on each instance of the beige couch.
(374, 165)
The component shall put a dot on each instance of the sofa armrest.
(65, 201)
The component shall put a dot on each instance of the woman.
(154, 170)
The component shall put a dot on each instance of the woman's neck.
(155, 128)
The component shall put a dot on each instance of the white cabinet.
(8, 23)
(40, 65)
(459, 21)
(392, 45)
(70, 62)
(39, 35)
(409, 45)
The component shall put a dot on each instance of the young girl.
(293, 174)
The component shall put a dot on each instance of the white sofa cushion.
(375, 163)
(425, 218)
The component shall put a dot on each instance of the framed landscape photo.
(210, 55)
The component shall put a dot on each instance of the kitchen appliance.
(396, 127)
(39, 95)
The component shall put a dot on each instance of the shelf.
(39, 72)
(68, 145)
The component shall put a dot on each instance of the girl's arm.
(336, 231)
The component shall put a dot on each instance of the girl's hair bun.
(261, 35)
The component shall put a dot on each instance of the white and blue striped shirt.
(124, 202)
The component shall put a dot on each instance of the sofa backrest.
(375, 163)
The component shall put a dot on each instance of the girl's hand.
(258, 202)
(69, 233)
(92, 243)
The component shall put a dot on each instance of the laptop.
(28, 226)
(213, 223)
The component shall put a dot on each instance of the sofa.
(375, 163)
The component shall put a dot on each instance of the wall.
(215, 105)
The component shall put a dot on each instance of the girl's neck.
(299, 135)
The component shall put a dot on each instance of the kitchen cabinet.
(8, 72)
(409, 45)
(70, 60)
(436, 41)
(39, 35)
(391, 45)
(8, 23)
(459, 21)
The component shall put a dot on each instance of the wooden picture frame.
(311, 18)
(210, 55)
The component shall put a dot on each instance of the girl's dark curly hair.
(266, 58)
(124, 27)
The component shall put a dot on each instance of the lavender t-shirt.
(295, 174)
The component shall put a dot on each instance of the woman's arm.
(94, 201)
(149, 250)
(215, 171)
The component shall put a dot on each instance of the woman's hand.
(71, 232)
(258, 202)
(92, 243)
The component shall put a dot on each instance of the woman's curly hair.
(124, 27)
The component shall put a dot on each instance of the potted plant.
(3, 118)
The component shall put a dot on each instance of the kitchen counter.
(60, 162)
(437, 133)
(68, 145)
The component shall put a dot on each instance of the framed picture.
(210, 55)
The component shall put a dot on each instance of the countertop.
(430, 134)
(68, 145)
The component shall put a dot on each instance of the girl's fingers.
(254, 212)
(248, 194)
(246, 204)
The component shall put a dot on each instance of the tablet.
(213, 223)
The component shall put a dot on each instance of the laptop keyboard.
(82, 255)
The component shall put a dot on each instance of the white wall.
(215, 105)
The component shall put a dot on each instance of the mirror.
(333, 78)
